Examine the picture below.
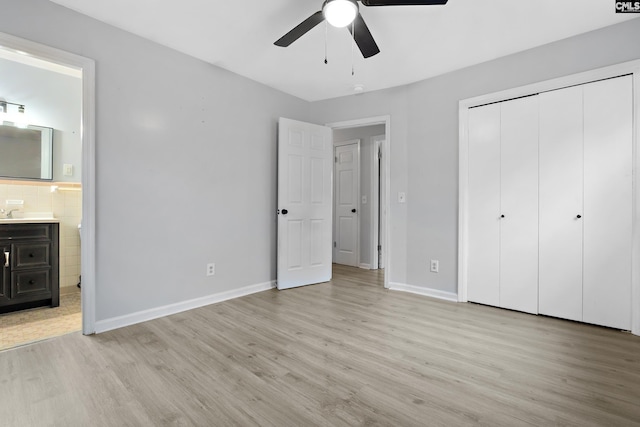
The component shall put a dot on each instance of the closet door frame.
(626, 68)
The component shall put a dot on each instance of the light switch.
(67, 169)
(402, 197)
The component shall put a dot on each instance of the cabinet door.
(483, 283)
(607, 202)
(519, 205)
(561, 202)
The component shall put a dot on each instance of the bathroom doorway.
(56, 90)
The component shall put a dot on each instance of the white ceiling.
(416, 42)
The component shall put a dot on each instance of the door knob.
(353, 210)
(502, 216)
(578, 216)
(284, 211)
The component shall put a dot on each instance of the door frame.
(335, 192)
(378, 219)
(87, 67)
(625, 68)
(386, 160)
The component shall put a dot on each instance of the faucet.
(10, 213)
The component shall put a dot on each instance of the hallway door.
(346, 199)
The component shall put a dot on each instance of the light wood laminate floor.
(346, 352)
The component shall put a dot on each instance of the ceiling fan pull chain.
(325, 41)
(353, 42)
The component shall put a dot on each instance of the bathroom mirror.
(26, 153)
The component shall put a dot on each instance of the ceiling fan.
(342, 13)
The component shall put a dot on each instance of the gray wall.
(52, 100)
(424, 140)
(185, 163)
(364, 134)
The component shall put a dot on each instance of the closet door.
(519, 205)
(561, 203)
(483, 283)
(607, 202)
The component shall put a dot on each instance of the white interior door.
(519, 204)
(561, 203)
(608, 135)
(305, 153)
(347, 197)
(484, 205)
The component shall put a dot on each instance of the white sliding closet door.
(561, 203)
(608, 196)
(484, 205)
(519, 205)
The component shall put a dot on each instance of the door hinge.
(335, 245)
(379, 248)
(336, 158)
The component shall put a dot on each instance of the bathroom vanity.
(29, 256)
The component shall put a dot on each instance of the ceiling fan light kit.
(341, 13)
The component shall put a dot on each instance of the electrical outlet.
(435, 265)
(211, 269)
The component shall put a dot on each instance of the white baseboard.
(154, 313)
(433, 293)
(365, 266)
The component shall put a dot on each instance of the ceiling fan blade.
(363, 38)
(402, 2)
(300, 30)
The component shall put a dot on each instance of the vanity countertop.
(29, 220)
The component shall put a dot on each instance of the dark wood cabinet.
(29, 274)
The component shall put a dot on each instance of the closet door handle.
(578, 216)
(6, 258)
(502, 216)
(353, 210)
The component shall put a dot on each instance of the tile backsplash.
(65, 205)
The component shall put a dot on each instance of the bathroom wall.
(51, 99)
(66, 206)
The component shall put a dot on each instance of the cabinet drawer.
(25, 231)
(31, 255)
(30, 284)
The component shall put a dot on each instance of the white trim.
(365, 266)
(631, 67)
(167, 310)
(428, 292)
(377, 144)
(378, 120)
(88, 250)
(635, 249)
(349, 142)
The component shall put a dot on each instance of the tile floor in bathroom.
(37, 324)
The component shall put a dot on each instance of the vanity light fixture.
(19, 119)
